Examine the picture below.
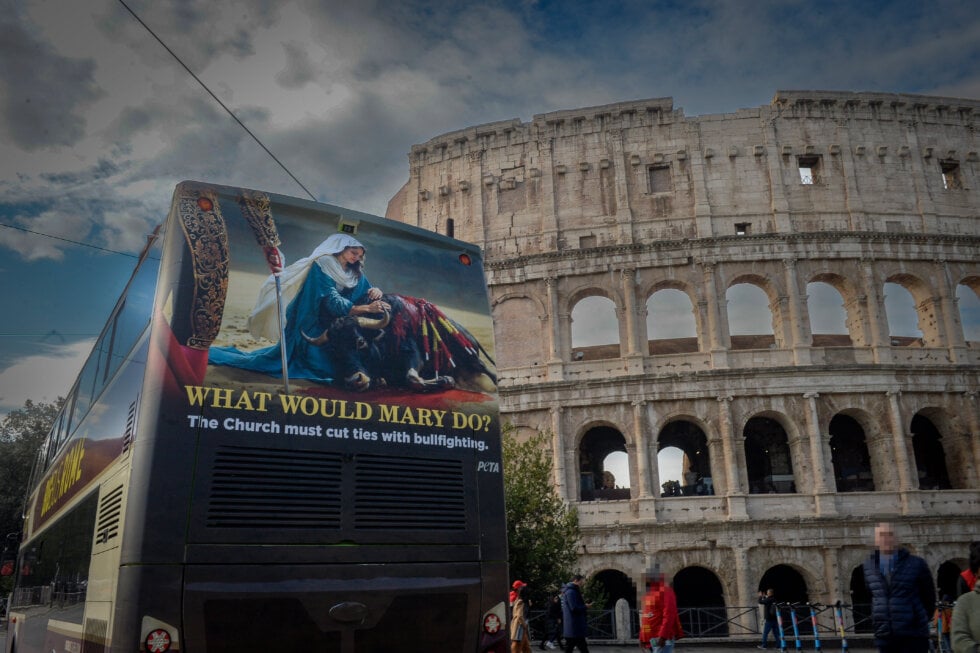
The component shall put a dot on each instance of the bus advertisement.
(193, 497)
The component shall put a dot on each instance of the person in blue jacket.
(575, 623)
(903, 595)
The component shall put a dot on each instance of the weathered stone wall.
(624, 200)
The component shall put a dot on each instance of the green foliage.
(542, 531)
(21, 433)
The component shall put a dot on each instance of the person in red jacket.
(660, 624)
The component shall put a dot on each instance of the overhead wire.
(217, 99)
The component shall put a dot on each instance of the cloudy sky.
(98, 121)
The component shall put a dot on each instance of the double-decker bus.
(193, 497)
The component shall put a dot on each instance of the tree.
(21, 433)
(542, 531)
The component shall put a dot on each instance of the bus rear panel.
(252, 512)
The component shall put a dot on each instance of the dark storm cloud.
(42, 94)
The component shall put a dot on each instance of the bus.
(191, 496)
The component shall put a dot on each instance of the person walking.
(660, 624)
(768, 600)
(903, 596)
(575, 625)
(553, 635)
(520, 636)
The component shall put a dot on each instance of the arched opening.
(594, 451)
(828, 318)
(749, 317)
(930, 459)
(616, 586)
(701, 603)
(695, 473)
(849, 452)
(787, 584)
(860, 602)
(767, 457)
(671, 327)
(616, 471)
(946, 577)
(903, 318)
(968, 301)
(595, 329)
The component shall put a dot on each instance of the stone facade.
(796, 442)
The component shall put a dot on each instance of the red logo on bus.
(491, 623)
(158, 641)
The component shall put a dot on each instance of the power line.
(67, 240)
(216, 99)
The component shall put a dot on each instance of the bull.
(414, 346)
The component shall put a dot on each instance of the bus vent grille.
(130, 427)
(409, 493)
(95, 631)
(275, 488)
(107, 521)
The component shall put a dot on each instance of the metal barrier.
(716, 622)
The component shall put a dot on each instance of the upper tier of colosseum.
(635, 173)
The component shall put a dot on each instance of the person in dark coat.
(575, 623)
(768, 601)
(903, 596)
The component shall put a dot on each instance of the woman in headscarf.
(328, 284)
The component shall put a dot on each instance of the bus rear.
(354, 503)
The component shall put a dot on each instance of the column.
(972, 413)
(876, 317)
(906, 480)
(642, 451)
(733, 486)
(558, 455)
(633, 351)
(556, 367)
(823, 497)
(744, 587)
(952, 326)
(799, 328)
(653, 446)
(717, 344)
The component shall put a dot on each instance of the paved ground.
(684, 646)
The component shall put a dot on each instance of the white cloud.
(42, 377)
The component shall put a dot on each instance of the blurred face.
(885, 539)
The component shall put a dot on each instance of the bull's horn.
(374, 323)
(319, 340)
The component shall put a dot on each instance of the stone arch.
(599, 334)
(768, 455)
(701, 602)
(849, 452)
(617, 585)
(524, 315)
(596, 441)
(736, 317)
(860, 601)
(968, 305)
(946, 577)
(929, 451)
(688, 435)
(854, 314)
(926, 309)
(788, 583)
(680, 337)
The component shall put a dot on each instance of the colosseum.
(830, 219)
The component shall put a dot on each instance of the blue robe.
(319, 297)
